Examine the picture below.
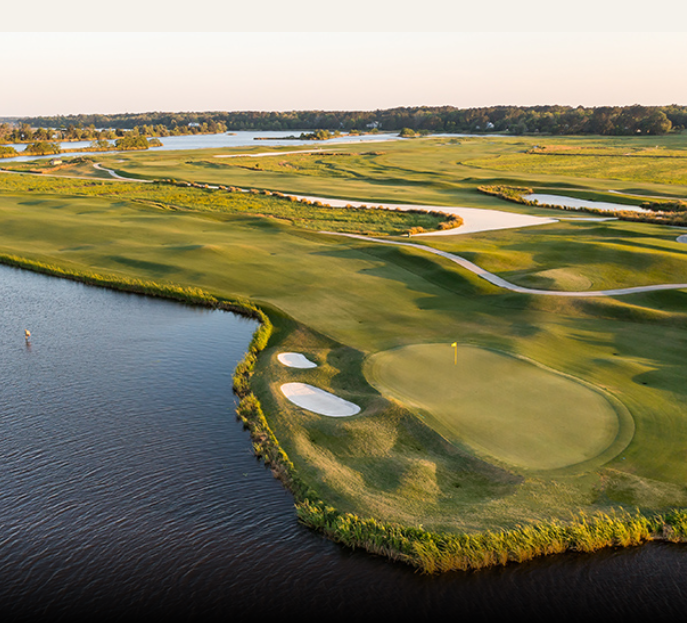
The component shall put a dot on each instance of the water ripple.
(128, 488)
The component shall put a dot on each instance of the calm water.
(577, 204)
(128, 488)
(217, 141)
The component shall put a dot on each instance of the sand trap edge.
(295, 360)
(318, 401)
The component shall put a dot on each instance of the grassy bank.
(391, 480)
(428, 551)
(672, 213)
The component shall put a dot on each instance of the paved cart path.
(502, 283)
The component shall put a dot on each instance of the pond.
(128, 488)
(580, 204)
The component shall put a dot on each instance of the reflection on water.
(214, 141)
(128, 488)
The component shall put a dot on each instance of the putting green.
(501, 406)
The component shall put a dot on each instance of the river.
(129, 489)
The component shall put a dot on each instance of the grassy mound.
(501, 406)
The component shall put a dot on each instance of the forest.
(568, 120)
(70, 129)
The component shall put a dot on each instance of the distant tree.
(42, 148)
(25, 133)
(602, 120)
(132, 141)
(552, 119)
(655, 122)
(101, 144)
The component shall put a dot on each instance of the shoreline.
(428, 552)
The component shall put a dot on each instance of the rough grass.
(631, 167)
(307, 215)
(435, 171)
(341, 300)
(385, 298)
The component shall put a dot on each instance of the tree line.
(67, 129)
(603, 120)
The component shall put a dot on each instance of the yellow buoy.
(27, 334)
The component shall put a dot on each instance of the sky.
(53, 73)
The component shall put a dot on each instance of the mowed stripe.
(501, 406)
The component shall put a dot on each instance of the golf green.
(499, 405)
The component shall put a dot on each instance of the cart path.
(502, 283)
(481, 272)
(114, 174)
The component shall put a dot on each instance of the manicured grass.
(503, 407)
(357, 298)
(342, 301)
(576, 256)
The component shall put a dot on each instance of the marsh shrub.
(665, 206)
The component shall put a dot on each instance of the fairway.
(501, 406)
(556, 405)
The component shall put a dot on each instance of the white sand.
(295, 360)
(318, 401)
(682, 238)
(474, 219)
(477, 219)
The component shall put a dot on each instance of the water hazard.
(128, 488)
(263, 139)
(581, 204)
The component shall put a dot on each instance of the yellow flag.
(454, 344)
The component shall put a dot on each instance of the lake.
(128, 488)
(217, 141)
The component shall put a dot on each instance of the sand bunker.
(482, 219)
(318, 401)
(295, 360)
(474, 219)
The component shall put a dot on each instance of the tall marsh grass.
(168, 194)
(430, 552)
(663, 213)
(128, 284)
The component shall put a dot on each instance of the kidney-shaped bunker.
(317, 400)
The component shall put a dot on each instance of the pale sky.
(108, 72)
